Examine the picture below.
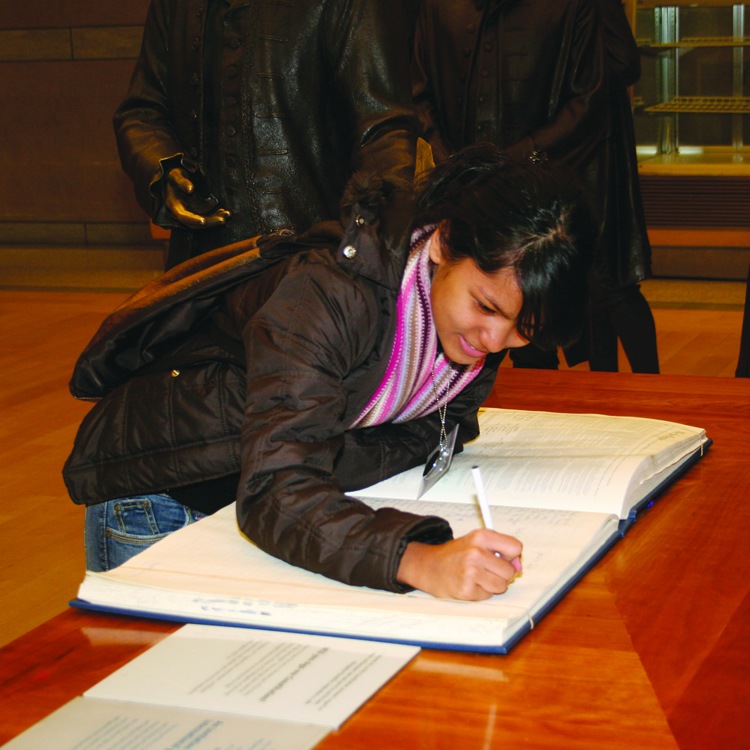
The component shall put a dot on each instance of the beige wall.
(64, 66)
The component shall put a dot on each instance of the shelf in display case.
(654, 4)
(689, 42)
(703, 105)
(707, 162)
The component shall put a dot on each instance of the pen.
(484, 507)
(482, 497)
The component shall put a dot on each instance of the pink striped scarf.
(418, 379)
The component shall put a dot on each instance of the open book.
(567, 486)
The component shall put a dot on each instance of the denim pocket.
(130, 525)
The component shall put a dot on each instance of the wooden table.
(650, 650)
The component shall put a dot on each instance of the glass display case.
(691, 110)
(692, 103)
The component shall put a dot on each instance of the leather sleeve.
(143, 125)
(371, 71)
(424, 97)
(621, 50)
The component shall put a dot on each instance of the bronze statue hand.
(190, 208)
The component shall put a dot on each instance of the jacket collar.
(376, 218)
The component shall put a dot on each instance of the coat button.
(349, 251)
(175, 373)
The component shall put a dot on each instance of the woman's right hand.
(473, 567)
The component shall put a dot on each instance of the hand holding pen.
(473, 567)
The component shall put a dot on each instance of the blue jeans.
(116, 530)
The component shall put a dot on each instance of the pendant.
(438, 462)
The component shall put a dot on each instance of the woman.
(287, 371)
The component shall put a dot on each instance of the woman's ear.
(437, 250)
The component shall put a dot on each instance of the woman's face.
(475, 313)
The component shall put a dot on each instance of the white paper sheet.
(285, 676)
(90, 724)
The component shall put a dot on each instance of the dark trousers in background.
(615, 314)
(622, 314)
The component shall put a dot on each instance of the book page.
(584, 462)
(283, 676)
(233, 581)
(90, 724)
(596, 483)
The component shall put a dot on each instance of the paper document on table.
(90, 724)
(207, 687)
(314, 679)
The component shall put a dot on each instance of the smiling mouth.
(472, 351)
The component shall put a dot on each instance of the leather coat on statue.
(534, 77)
(270, 106)
(524, 75)
(625, 254)
(252, 362)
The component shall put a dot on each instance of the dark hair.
(529, 217)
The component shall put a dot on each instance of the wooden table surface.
(650, 650)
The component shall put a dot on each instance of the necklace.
(442, 412)
(439, 461)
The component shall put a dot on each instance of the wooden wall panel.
(59, 158)
(37, 14)
(64, 67)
